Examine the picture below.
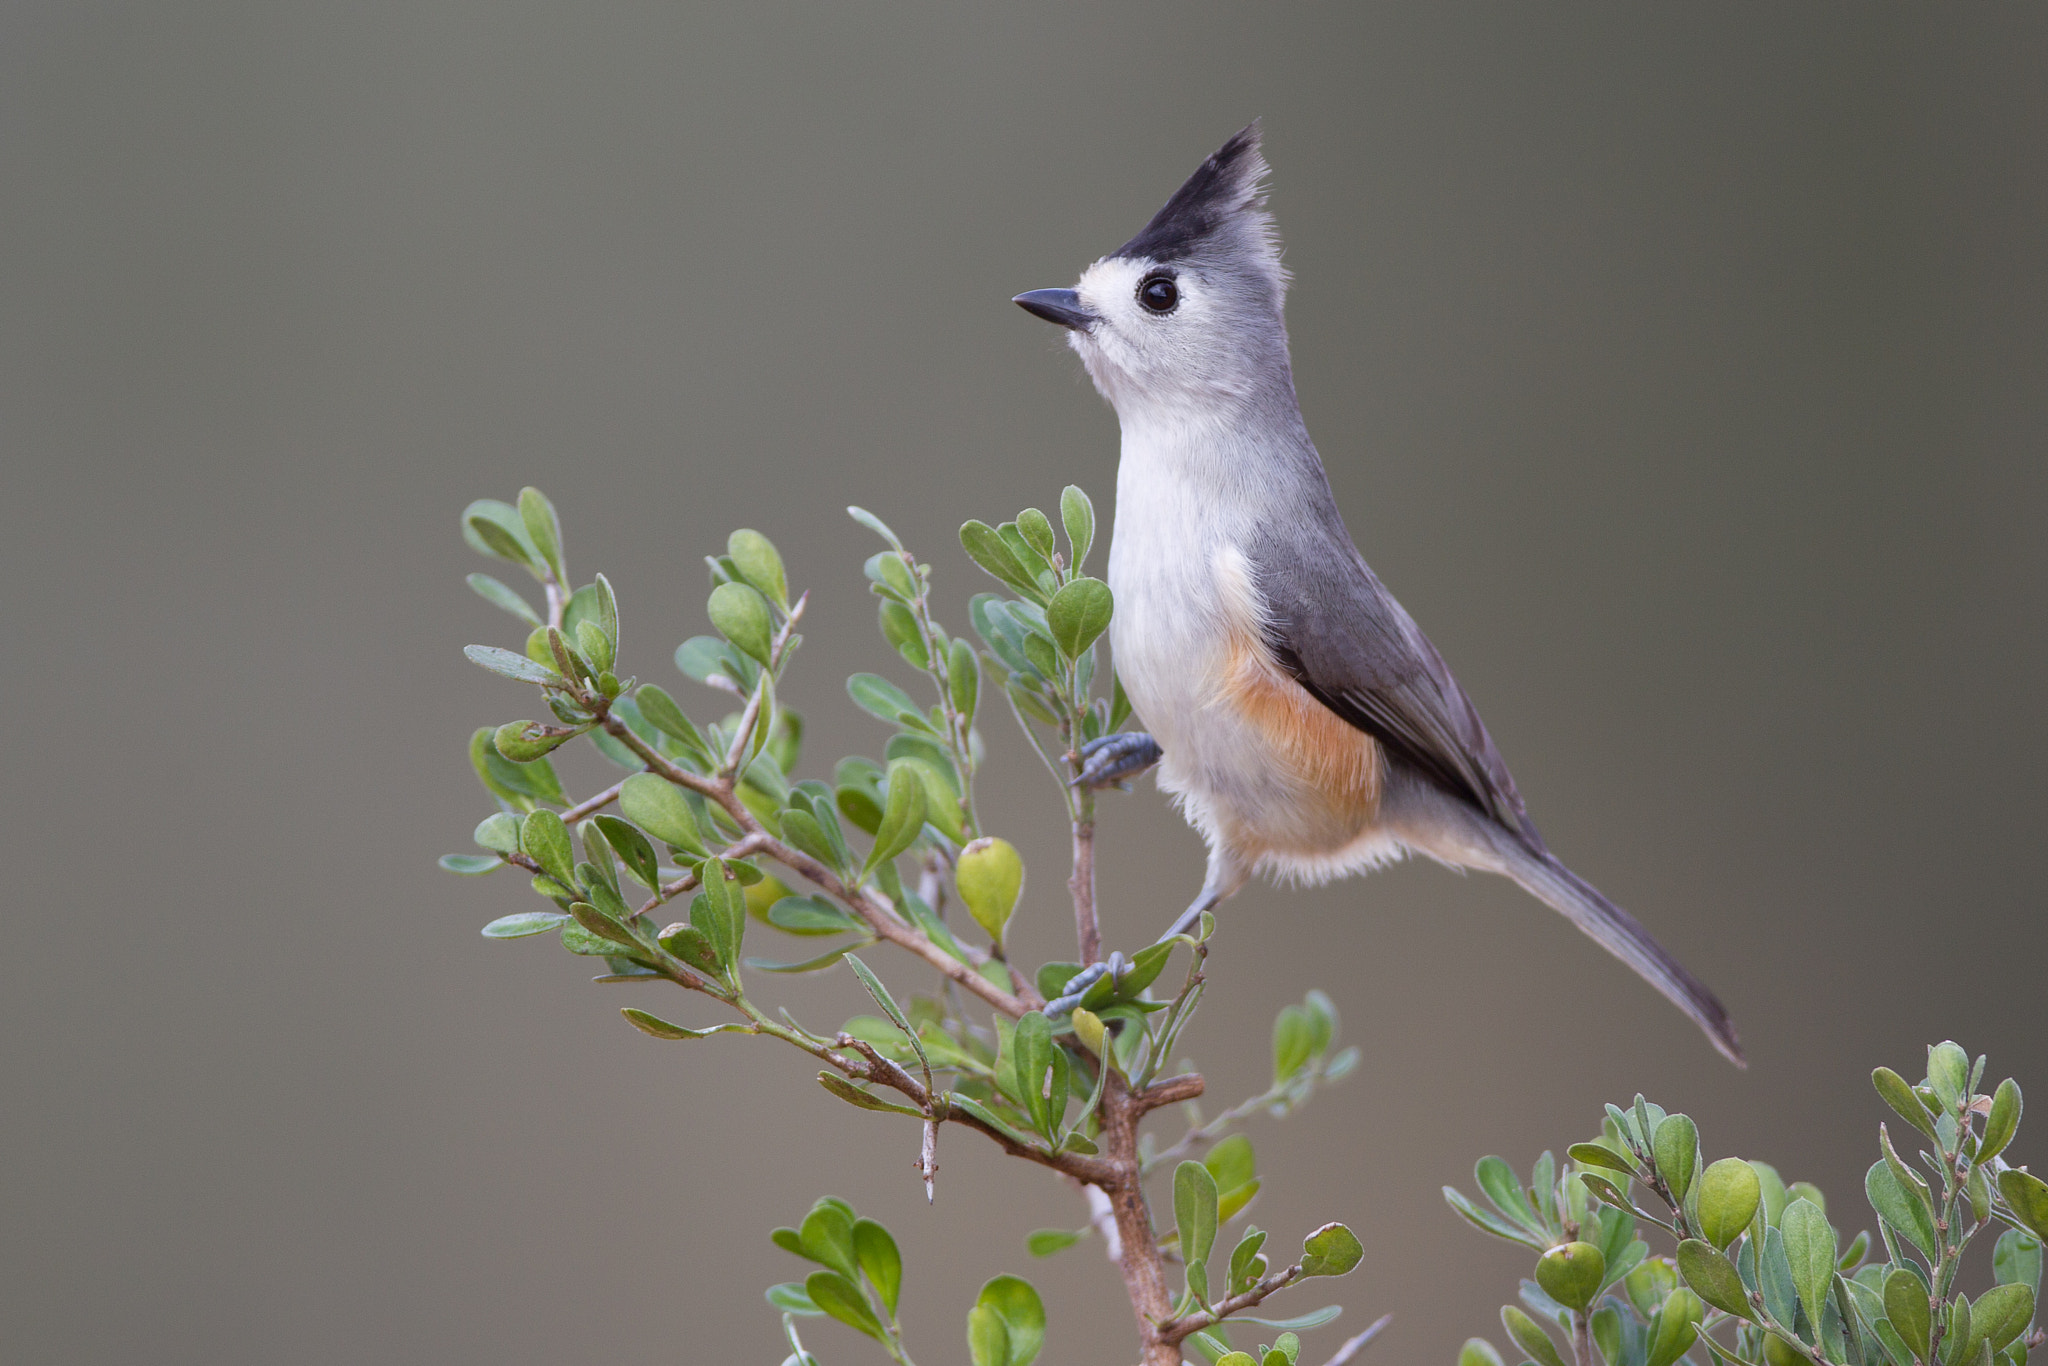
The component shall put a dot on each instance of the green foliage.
(1757, 1261)
(710, 803)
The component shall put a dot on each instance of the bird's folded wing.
(1336, 630)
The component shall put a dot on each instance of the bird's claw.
(1115, 966)
(1110, 759)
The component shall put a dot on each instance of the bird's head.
(1185, 317)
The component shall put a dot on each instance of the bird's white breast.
(1186, 631)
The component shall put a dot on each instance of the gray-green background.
(1682, 371)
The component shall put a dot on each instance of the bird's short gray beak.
(1062, 306)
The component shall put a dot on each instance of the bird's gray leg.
(1207, 901)
(1226, 875)
(1111, 759)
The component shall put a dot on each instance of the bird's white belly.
(1256, 765)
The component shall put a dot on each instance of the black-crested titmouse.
(1303, 723)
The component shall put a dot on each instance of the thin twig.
(1173, 1330)
(1358, 1344)
(591, 805)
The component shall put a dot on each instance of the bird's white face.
(1177, 333)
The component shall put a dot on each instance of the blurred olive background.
(1682, 371)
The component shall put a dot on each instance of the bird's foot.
(1112, 759)
(1116, 965)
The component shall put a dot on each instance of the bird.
(1300, 719)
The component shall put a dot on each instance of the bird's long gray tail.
(1615, 930)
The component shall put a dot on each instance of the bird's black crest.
(1223, 185)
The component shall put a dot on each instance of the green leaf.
(1898, 1093)
(741, 615)
(836, 1295)
(1333, 1250)
(1774, 1278)
(1046, 1241)
(963, 678)
(499, 833)
(665, 716)
(1036, 529)
(706, 657)
(2027, 1197)
(864, 1100)
(1038, 1073)
(1600, 1155)
(1300, 1323)
(1713, 1277)
(1998, 1315)
(759, 564)
(1194, 1212)
(1948, 1072)
(988, 549)
(494, 528)
(1478, 1352)
(499, 596)
(1246, 1265)
(2002, 1123)
(790, 1298)
(544, 839)
(988, 1339)
(969, 1105)
(874, 524)
(1910, 1182)
(543, 530)
(1079, 516)
(633, 850)
(662, 1029)
(1023, 1314)
(471, 865)
(1676, 1147)
(883, 700)
(505, 664)
(524, 923)
(888, 1004)
(1904, 1215)
(594, 645)
(1906, 1305)
(1293, 1041)
(602, 925)
(1675, 1327)
(1486, 1221)
(1572, 1274)
(810, 915)
(879, 1260)
(899, 628)
(822, 961)
(2016, 1260)
(1232, 1163)
(826, 1236)
(890, 573)
(693, 946)
(1077, 614)
(1729, 1192)
(1529, 1337)
(1809, 1253)
(657, 806)
(902, 815)
(1497, 1179)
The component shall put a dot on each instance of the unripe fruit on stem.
(1729, 1193)
(990, 876)
(1779, 1353)
(1571, 1274)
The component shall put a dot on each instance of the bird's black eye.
(1159, 294)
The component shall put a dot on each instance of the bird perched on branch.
(1303, 723)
